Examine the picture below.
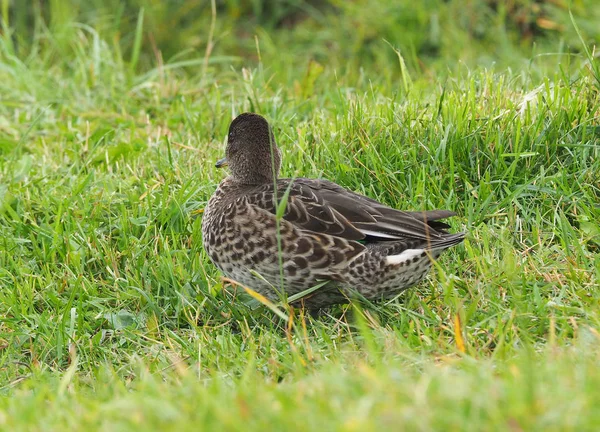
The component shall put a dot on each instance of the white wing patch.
(407, 255)
(380, 234)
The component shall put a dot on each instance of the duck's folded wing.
(324, 207)
(307, 209)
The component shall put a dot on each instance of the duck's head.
(252, 154)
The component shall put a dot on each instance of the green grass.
(112, 317)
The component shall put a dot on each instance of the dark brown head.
(252, 154)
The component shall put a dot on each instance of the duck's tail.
(405, 251)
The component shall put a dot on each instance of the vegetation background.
(112, 114)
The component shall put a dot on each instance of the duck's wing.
(324, 207)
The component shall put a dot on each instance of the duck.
(283, 237)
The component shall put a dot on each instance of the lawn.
(112, 115)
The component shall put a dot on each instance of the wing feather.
(323, 207)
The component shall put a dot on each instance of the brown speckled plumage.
(327, 233)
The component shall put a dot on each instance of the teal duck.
(324, 232)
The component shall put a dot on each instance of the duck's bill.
(221, 163)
